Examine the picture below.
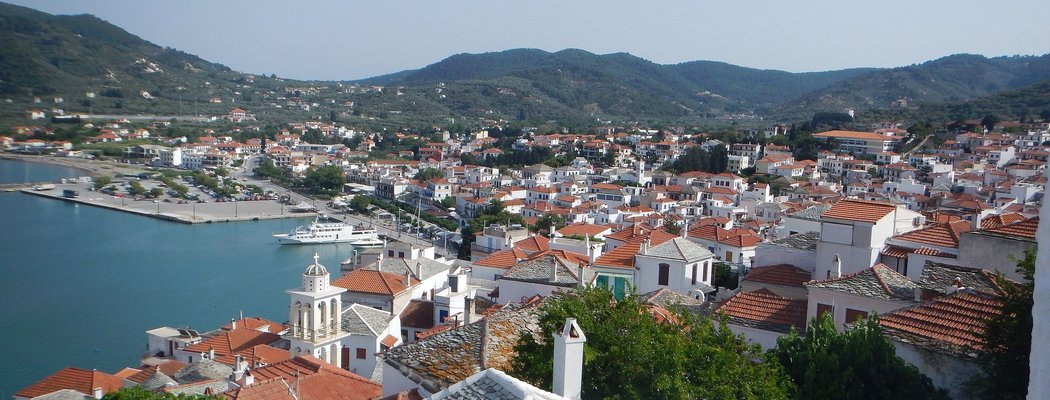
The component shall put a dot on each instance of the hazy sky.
(351, 39)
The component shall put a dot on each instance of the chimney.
(248, 379)
(419, 270)
(96, 393)
(837, 273)
(568, 360)
(645, 246)
(579, 275)
(917, 292)
(233, 324)
(554, 270)
(468, 310)
(408, 277)
(211, 353)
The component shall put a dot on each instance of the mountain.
(621, 83)
(950, 79)
(93, 65)
(83, 64)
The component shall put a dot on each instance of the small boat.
(368, 242)
(325, 229)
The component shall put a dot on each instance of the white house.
(677, 264)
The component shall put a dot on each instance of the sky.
(354, 39)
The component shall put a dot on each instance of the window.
(854, 315)
(400, 254)
(665, 274)
(694, 273)
(706, 268)
(389, 253)
(824, 308)
(442, 314)
(729, 256)
(361, 355)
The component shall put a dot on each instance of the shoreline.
(180, 213)
(89, 167)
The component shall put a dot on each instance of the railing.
(324, 331)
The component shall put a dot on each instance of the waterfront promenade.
(187, 212)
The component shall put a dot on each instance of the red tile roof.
(765, 310)
(81, 380)
(389, 341)
(623, 256)
(228, 343)
(944, 235)
(255, 323)
(502, 259)
(313, 378)
(418, 314)
(583, 229)
(780, 274)
(952, 323)
(533, 243)
(859, 210)
(372, 281)
(854, 135)
(1025, 229)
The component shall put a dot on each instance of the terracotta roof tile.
(371, 281)
(313, 378)
(780, 274)
(623, 256)
(502, 259)
(764, 310)
(81, 380)
(418, 314)
(951, 324)
(1025, 229)
(859, 210)
(228, 343)
(583, 229)
(533, 243)
(943, 235)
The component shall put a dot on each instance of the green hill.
(96, 67)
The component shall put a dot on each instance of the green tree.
(631, 355)
(549, 223)
(156, 192)
(137, 393)
(859, 363)
(989, 121)
(448, 202)
(101, 181)
(427, 174)
(328, 179)
(1009, 338)
(136, 189)
(671, 227)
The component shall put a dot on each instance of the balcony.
(325, 331)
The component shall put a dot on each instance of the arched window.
(333, 312)
(665, 274)
(324, 317)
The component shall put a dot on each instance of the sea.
(81, 285)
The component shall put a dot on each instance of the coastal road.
(391, 232)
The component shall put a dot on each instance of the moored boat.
(325, 229)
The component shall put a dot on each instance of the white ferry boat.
(330, 230)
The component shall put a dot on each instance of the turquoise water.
(82, 284)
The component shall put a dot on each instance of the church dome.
(315, 269)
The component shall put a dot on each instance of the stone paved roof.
(878, 282)
(453, 355)
(680, 249)
(398, 266)
(363, 320)
(540, 270)
(801, 241)
(157, 381)
(938, 277)
(203, 370)
(669, 299)
(493, 384)
(812, 213)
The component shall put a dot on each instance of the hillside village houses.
(866, 228)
